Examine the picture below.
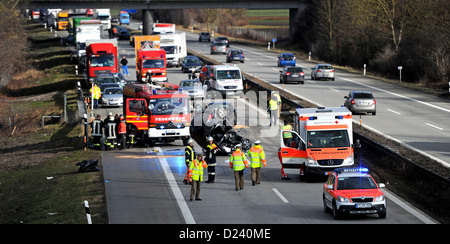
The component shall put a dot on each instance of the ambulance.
(322, 141)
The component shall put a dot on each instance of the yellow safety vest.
(196, 170)
(257, 156)
(287, 134)
(273, 105)
(238, 161)
(97, 92)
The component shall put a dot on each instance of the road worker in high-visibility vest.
(196, 175)
(238, 162)
(287, 136)
(273, 107)
(96, 94)
(257, 160)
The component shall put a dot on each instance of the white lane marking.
(260, 64)
(280, 196)
(188, 218)
(333, 89)
(436, 127)
(393, 111)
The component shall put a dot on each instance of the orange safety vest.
(122, 127)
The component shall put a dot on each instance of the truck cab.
(101, 57)
(322, 141)
(63, 20)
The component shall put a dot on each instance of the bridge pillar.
(147, 22)
(293, 12)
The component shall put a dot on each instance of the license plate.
(363, 205)
(294, 75)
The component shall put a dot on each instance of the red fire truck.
(156, 113)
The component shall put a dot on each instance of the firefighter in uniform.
(122, 131)
(110, 132)
(97, 131)
(238, 162)
(189, 155)
(196, 175)
(257, 160)
(211, 150)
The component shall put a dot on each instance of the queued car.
(286, 59)
(190, 63)
(235, 55)
(223, 39)
(193, 88)
(292, 74)
(218, 47)
(107, 78)
(123, 33)
(361, 102)
(134, 33)
(322, 71)
(204, 36)
(352, 191)
(112, 96)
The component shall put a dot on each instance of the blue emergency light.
(352, 170)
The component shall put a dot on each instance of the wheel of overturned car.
(221, 113)
(246, 144)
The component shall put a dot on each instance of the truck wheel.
(185, 141)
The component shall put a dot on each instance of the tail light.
(214, 48)
(332, 70)
(353, 102)
(301, 73)
(374, 102)
(319, 71)
(288, 73)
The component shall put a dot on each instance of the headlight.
(349, 160)
(311, 162)
(342, 199)
(379, 198)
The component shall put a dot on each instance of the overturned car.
(217, 120)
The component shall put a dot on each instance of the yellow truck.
(63, 20)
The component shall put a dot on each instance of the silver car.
(322, 71)
(193, 88)
(112, 96)
(361, 102)
(218, 47)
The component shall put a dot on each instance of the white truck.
(104, 15)
(52, 16)
(322, 140)
(175, 46)
(163, 28)
(87, 30)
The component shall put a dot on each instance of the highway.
(415, 119)
(144, 185)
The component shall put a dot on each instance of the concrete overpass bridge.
(146, 5)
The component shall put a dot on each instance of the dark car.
(204, 36)
(235, 55)
(123, 34)
(292, 74)
(223, 40)
(191, 62)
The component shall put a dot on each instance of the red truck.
(102, 57)
(150, 59)
(156, 114)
